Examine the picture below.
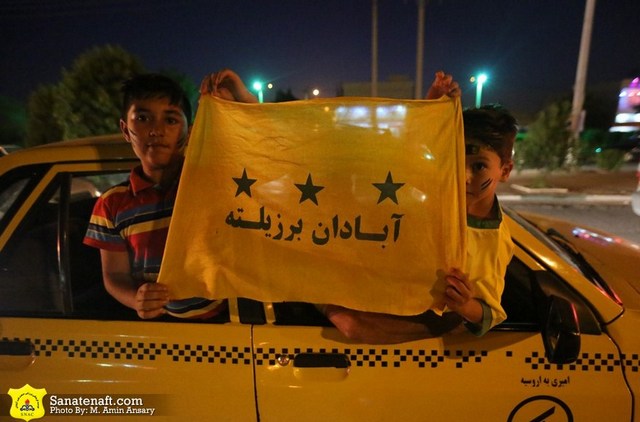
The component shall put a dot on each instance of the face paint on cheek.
(129, 129)
(485, 185)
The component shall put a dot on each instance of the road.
(615, 219)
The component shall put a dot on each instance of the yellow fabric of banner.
(358, 202)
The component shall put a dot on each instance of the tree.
(42, 126)
(13, 121)
(547, 142)
(89, 94)
(85, 102)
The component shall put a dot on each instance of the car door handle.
(16, 354)
(321, 360)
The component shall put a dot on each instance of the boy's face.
(157, 132)
(484, 170)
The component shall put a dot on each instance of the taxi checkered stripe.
(382, 358)
(360, 357)
(140, 351)
(631, 361)
(586, 362)
(423, 358)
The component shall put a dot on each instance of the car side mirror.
(561, 331)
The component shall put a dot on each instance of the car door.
(61, 332)
(306, 370)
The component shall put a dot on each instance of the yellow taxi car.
(569, 350)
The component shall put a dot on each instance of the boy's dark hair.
(153, 85)
(493, 126)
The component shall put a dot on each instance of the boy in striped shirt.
(130, 222)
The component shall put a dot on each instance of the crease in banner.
(358, 202)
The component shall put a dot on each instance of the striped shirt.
(134, 217)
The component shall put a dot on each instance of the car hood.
(614, 258)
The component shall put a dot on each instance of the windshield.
(542, 237)
(565, 249)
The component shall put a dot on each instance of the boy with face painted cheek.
(472, 293)
(475, 293)
(489, 134)
(130, 222)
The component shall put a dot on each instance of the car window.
(46, 270)
(524, 299)
(88, 296)
(9, 194)
(44, 267)
(102, 182)
(14, 188)
(28, 263)
(517, 300)
(526, 296)
(299, 313)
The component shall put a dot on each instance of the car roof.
(96, 148)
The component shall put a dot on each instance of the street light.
(479, 81)
(258, 87)
(315, 92)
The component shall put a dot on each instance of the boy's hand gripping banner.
(351, 201)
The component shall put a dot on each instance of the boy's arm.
(148, 300)
(228, 85)
(377, 328)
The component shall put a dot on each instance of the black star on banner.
(309, 190)
(244, 183)
(388, 189)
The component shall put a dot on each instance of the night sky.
(528, 47)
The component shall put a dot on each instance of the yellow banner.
(352, 201)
